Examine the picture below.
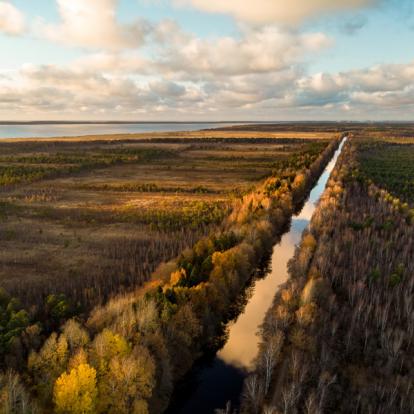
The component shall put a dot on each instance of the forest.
(124, 260)
(121, 259)
(339, 335)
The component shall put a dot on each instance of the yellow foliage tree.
(299, 182)
(105, 346)
(127, 383)
(177, 276)
(47, 365)
(76, 392)
(79, 358)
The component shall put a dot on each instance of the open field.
(228, 133)
(90, 218)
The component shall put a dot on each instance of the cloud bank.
(259, 72)
(286, 92)
(275, 11)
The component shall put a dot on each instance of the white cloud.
(183, 72)
(271, 11)
(116, 62)
(115, 88)
(93, 24)
(260, 72)
(263, 50)
(180, 55)
(11, 19)
(385, 91)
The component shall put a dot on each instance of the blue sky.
(206, 59)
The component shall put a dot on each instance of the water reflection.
(222, 378)
(241, 347)
(74, 130)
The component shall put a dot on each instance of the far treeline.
(126, 355)
(339, 337)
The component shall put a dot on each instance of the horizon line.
(252, 122)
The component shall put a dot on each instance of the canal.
(219, 379)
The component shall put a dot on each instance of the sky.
(207, 60)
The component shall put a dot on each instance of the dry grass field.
(264, 131)
(93, 216)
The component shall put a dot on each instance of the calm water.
(71, 130)
(221, 379)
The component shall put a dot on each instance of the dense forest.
(339, 336)
(125, 355)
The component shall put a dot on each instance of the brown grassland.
(90, 217)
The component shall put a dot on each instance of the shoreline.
(174, 135)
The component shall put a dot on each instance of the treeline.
(129, 353)
(339, 336)
(148, 188)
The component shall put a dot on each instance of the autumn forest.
(127, 263)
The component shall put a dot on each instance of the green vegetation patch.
(194, 214)
(390, 166)
(30, 168)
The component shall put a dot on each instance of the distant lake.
(71, 130)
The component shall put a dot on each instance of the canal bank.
(218, 379)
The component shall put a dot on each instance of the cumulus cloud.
(384, 91)
(183, 72)
(93, 24)
(116, 62)
(51, 90)
(11, 19)
(282, 91)
(260, 72)
(48, 95)
(272, 11)
(182, 55)
(318, 90)
(264, 50)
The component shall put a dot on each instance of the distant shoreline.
(127, 122)
(391, 122)
(121, 130)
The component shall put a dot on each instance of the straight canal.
(220, 379)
